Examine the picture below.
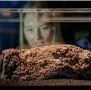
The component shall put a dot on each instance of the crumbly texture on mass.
(47, 62)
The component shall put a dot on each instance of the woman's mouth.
(42, 43)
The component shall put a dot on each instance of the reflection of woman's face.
(37, 33)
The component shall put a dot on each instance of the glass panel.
(26, 27)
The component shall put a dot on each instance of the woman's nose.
(39, 36)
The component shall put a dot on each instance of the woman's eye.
(30, 30)
(45, 28)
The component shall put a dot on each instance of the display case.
(27, 28)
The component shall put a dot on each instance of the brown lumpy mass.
(47, 62)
